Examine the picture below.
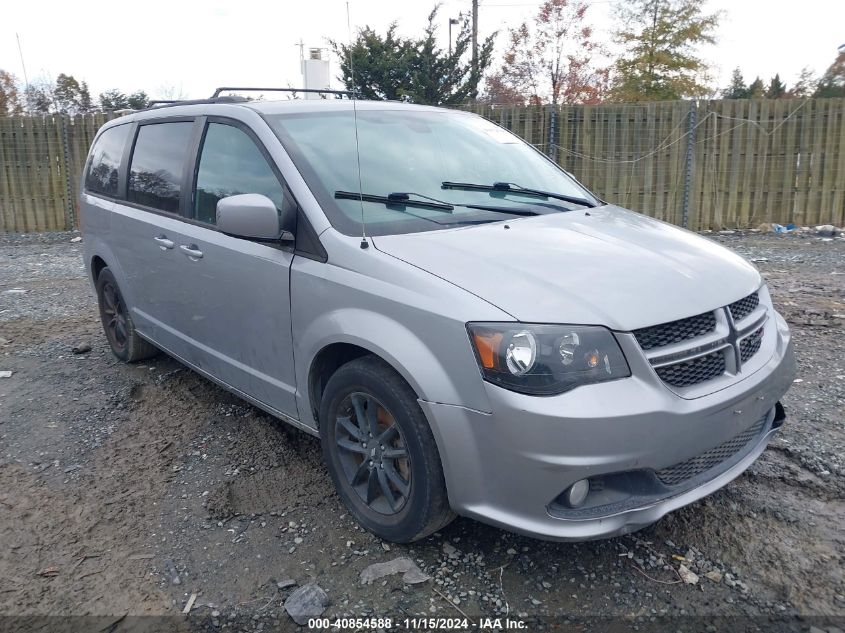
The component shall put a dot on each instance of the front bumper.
(508, 467)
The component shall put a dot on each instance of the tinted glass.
(415, 151)
(231, 164)
(105, 160)
(155, 175)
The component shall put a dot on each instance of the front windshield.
(415, 152)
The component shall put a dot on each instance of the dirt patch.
(261, 493)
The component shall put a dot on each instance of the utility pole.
(475, 37)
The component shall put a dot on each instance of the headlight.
(545, 360)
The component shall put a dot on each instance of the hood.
(605, 266)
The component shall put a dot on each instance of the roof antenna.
(364, 242)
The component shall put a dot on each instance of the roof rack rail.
(339, 93)
(165, 103)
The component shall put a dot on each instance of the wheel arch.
(326, 362)
(97, 265)
(443, 373)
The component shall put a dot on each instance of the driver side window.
(230, 163)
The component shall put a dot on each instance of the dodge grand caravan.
(466, 327)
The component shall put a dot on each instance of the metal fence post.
(552, 152)
(70, 220)
(689, 163)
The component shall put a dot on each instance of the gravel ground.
(126, 489)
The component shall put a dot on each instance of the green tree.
(776, 89)
(113, 99)
(553, 60)
(440, 78)
(138, 100)
(661, 39)
(381, 64)
(832, 82)
(756, 89)
(416, 70)
(66, 94)
(10, 101)
(84, 104)
(737, 88)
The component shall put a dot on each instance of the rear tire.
(117, 322)
(381, 453)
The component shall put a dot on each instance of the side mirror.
(249, 215)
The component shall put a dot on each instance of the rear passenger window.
(105, 160)
(231, 164)
(155, 173)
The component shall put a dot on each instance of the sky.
(186, 48)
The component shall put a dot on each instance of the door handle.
(163, 243)
(191, 251)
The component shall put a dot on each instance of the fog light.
(576, 494)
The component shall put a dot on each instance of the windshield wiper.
(398, 198)
(404, 199)
(509, 187)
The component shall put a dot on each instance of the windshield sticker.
(499, 134)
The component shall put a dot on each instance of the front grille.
(742, 308)
(692, 372)
(675, 331)
(679, 473)
(750, 345)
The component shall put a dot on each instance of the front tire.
(381, 453)
(117, 322)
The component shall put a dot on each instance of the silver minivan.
(464, 325)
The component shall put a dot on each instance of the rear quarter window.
(102, 175)
(158, 160)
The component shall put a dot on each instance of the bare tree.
(554, 59)
(39, 96)
(171, 92)
(10, 101)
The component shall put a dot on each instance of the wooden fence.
(41, 159)
(717, 164)
(704, 164)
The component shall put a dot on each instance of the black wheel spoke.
(358, 403)
(401, 485)
(385, 489)
(351, 445)
(360, 473)
(389, 435)
(108, 297)
(372, 416)
(372, 487)
(394, 452)
(346, 422)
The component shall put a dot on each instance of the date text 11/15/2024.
(421, 623)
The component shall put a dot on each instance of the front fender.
(396, 344)
(416, 323)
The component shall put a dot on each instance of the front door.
(234, 293)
